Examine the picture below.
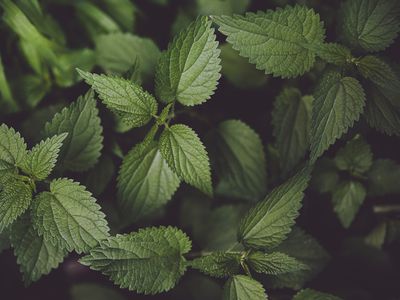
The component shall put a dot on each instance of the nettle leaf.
(218, 264)
(35, 255)
(128, 100)
(238, 154)
(383, 178)
(355, 156)
(185, 154)
(334, 53)
(269, 221)
(347, 199)
(149, 261)
(291, 121)
(309, 294)
(221, 7)
(279, 41)
(370, 24)
(69, 216)
(339, 102)
(189, 70)
(12, 149)
(145, 181)
(274, 263)
(41, 160)
(241, 287)
(15, 198)
(82, 147)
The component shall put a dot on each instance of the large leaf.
(149, 261)
(277, 41)
(241, 287)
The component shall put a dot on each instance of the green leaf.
(347, 199)
(12, 149)
(41, 160)
(376, 237)
(98, 178)
(221, 7)
(274, 263)
(371, 25)
(123, 11)
(69, 216)
(309, 294)
(269, 221)
(93, 291)
(82, 147)
(33, 88)
(241, 287)
(189, 70)
(149, 261)
(145, 181)
(118, 52)
(383, 178)
(355, 156)
(334, 53)
(128, 100)
(7, 101)
(36, 256)
(305, 249)
(279, 41)
(239, 158)
(339, 102)
(185, 154)
(291, 121)
(218, 264)
(325, 176)
(15, 198)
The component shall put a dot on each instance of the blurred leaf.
(383, 178)
(221, 7)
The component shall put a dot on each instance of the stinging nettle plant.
(46, 215)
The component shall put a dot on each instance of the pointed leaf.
(274, 263)
(218, 264)
(241, 287)
(12, 149)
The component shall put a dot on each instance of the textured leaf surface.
(275, 41)
(128, 100)
(82, 147)
(333, 53)
(41, 160)
(35, 255)
(185, 154)
(309, 294)
(274, 263)
(15, 198)
(338, 103)
(189, 70)
(68, 216)
(370, 24)
(269, 221)
(383, 178)
(238, 154)
(149, 261)
(218, 264)
(12, 149)
(291, 121)
(347, 199)
(241, 287)
(145, 181)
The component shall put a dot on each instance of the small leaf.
(371, 25)
(269, 221)
(274, 263)
(145, 181)
(185, 154)
(218, 264)
(347, 199)
(189, 70)
(134, 105)
(334, 53)
(68, 216)
(309, 294)
(35, 255)
(339, 102)
(149, 261)
(241, 287)
(278, 42)
(82, 147)
(383, 178)
(41, 160)
(12, 149)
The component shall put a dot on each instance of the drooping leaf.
(82, 147)
(7, 101)
(185, 154)
(145, 181)
(309, 294)
(12, 149)
(274, 263)
(218, 264)
(68, 216)
(269, 221)
(239, 158)
(277, 42)
(149, 261)
(338, 103)
(383, 178)
(134, 105)
(241, 287)
(189, 70)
